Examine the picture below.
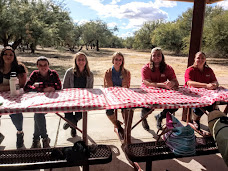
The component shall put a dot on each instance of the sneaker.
(159, 121)
(46, 142)
(36, 144)
(20, 140)
(73, 132)
(145, 124)
(66, 126)
(1, 137)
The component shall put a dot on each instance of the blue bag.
(180, 139)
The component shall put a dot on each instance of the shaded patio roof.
(207, 1)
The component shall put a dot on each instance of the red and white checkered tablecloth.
(109, 98)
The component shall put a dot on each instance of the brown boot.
(46, 142)
(117, 125)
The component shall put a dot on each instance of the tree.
(94, 32)
(142, 37)
(167, 36)
(216, 33)
(128, 42)
(34, 22)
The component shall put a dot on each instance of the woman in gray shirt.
(79, 76)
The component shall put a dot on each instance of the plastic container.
(14, 84)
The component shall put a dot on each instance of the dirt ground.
(100, 61)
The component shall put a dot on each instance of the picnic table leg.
(84, 128)
(84, 135)
(148, 165)
(128, 123)
(226, 109)
(187, 115)
(184, 114)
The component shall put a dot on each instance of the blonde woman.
(118, 76)
(78, 76)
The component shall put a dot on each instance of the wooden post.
(197, 29)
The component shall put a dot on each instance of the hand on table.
(170, 85)
(211, 86)
(49, 89)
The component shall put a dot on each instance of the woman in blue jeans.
(78, 76)
(8, 64)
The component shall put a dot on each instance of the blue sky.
(127, 15)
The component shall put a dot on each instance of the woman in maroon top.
(158, 74)
(200, 75)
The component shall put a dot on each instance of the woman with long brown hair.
(8, 64)
(79, 76)
(117, 76)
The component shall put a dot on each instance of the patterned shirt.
(52, 80)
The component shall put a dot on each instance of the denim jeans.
(199, 112)
(17, 120)
(110, 112)
(40, 129)
(144, 111)
(73, 117)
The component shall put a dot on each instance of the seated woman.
(8, 64)
(157, 73)
(120, 77)
(200, 75)
(42, 80)
(78, 76)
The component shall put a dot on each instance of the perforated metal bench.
(42, 158)
(150, 151)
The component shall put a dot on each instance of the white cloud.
(136, 12)
(112, 24)
(80, 22)
(223, 4)
(115, 1)
(125, 35)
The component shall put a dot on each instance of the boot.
(117, 125)
(36, 144)
(20, 140)
(46, 142)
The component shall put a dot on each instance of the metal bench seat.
(43, 158)
(152, 151)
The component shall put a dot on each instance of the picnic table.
(84, 100)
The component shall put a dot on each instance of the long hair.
(14, 63)
(86, 71)
(205, 64)
(162, 65)
(122, 65)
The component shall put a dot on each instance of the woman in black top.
(8, 64)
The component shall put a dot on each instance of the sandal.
(196, 124)
(204, 133)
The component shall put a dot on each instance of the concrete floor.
(100, 131)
